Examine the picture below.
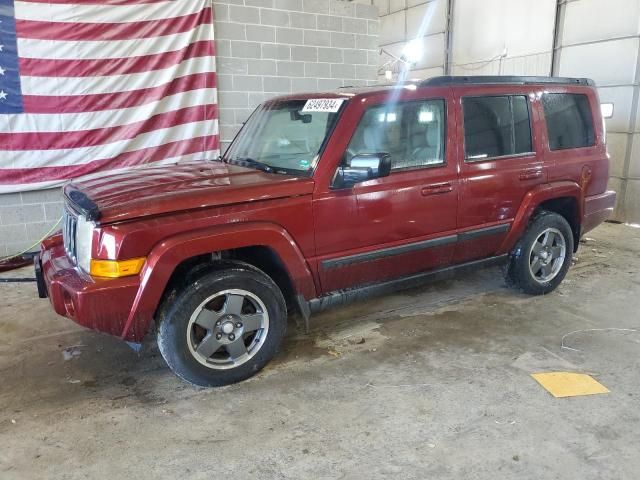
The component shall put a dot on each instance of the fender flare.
(171, 251)
(532, 200)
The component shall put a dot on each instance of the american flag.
(94, 85)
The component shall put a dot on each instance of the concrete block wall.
(267, 48)
(26, 217)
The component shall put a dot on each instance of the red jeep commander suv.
(323, 198)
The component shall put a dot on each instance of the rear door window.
(569, 120)
(497, 126)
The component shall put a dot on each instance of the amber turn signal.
(116, 268)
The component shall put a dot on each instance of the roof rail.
(504, 79)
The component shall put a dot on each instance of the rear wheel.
(543, 255)
(224, 327)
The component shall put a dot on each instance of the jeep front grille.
(69, 226)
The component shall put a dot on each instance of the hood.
(185, 186)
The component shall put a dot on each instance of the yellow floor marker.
(567, 384)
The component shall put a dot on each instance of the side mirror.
(363, 167)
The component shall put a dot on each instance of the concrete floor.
(440, 388)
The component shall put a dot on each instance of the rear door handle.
(530, 174)
(437, 189)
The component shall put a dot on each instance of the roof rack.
(505, 79)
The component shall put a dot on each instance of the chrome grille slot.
(70, 223)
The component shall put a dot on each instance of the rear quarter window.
(569, 120)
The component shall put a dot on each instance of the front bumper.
(597, 209)
(99, 304)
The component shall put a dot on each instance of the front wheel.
(543, 255)
(224, 327)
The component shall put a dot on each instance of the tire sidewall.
(520, 273)
(174, 320)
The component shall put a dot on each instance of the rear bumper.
(597, 209)
(102, 305)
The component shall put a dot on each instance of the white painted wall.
(595, 38)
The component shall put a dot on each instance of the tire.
(224, 327)
(536, 267)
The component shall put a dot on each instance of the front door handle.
(437, 189)
(531, 174)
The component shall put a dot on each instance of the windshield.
(284, 137)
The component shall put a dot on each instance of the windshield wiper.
(254, 163)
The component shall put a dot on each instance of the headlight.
(84, 237)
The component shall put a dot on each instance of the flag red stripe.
(100, 136)
(111, 101)
(114, 66)
(77, 31)
(16, 176)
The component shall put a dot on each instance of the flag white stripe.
(60, 87)
(78, 156)
(62, 12)
(75, 122)
(102, 50)
(206, 155)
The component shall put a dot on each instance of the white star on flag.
(3, 94)
(1, 47)
(2, 70)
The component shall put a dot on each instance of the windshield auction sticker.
(331, 105)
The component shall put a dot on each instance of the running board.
(342, 297)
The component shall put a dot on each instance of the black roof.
(504, 79)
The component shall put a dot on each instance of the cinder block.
(226, 65)
(355, 57)
(329, 22)
(292, 36)
(291, 69)
(366, 72)
(367, 41)
(14, 215)
(304, 85)
(53, 211)
(343, 70)
(396, 5)
(304, 54)
(244, 83)
(316, 6)
(225, 82)
(261, 33)
(228, 132)
(277, 84)
(38, 231)
(277, 18)
(382, 7)
(277, 52)
(227, 116)
(342, 8)
(220, 12)
(329, 84)
(373, 27)
(262, 67)
(244, 14)
(318, 38)
(242, 114)
(230, 31)
(355, 25)
(245, 49)
(332, 55)
(367, 11)
(256, 98)
(10, 199)
(289, 4)
(316, 70)
(12, 234)
(232, 99)
(223, 48)
(259, 3)
(42, 196)
(343, 40)
(303, 20)
(373, 57)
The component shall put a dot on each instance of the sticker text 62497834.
(330, 105)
